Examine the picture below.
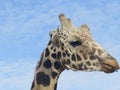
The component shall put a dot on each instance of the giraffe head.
(78, 50)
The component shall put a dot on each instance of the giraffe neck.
(45, 82)
(48, 70)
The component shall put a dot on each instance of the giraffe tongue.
(109, 66)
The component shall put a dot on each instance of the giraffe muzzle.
(110, 65)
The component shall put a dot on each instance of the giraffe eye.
(75, 43)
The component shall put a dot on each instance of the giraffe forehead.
(68, 35)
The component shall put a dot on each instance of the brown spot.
(79, 58)
(62, 44)
(56, 65)
(55, 87)
(73, 66)
(68, 61)
(80, 66)
(59, 55)
(67, 53)
(81, 51)
(32, 85)
(64, 54)
(92, 57)
(47, 64)
(85, 67)
(40, 62)
(88, 63)
(54, 74)
(54, 50)
(42, 78)
(47, 52)
(95, 64)
(64, 38)
(53, 55)
(73, 57)
(49, 42)
(62, 48)
(85, 56)
(52, 47)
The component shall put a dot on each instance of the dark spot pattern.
(53, 55)
(50, 34)
(43, 79)
(32, 85)
(52, 47)
(68, 61)
(54, 50)
(64, 54)
(73, 66)
(59, 55)
(80, 66)
(79, 58)
(81, 51)
(73, 57)
(55, 87)
(62, 44)
(47, 63)
(84, 56)
(88, 63)
(56, 65)
(49, 42)
(94, 64)
(40, 62)
(47, 52)
(92, 57)
(54, 74)
(85, 67)
(62, 48)
(67, 53)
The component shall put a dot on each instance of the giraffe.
(70, 48)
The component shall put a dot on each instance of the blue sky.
(24, 33)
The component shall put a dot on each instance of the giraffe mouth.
(110, 66)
